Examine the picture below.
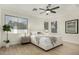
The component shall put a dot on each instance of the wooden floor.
(29, 49)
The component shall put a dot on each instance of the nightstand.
(25, 39)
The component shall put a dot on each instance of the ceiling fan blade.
(34, 9)
(53, 11)
(55, 8)
(42, 12)
(41, 9)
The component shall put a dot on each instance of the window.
(18, 24)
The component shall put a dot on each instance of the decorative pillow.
(34, 33)
(39, 32)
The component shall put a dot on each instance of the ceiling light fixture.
(47, 10)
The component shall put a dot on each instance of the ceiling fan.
(48, 9)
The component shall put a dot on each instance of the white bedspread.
(45, 42)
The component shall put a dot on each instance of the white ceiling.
(27, 8)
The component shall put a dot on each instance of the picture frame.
(71, 26)
(46, 26)
(54, 27)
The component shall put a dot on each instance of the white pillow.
(34, 33)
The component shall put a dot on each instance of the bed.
(46, 42)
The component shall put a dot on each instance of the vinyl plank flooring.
(29, 49)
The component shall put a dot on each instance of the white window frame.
(17, 30)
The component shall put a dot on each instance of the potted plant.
(6, 28)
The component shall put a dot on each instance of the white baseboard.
(71, 42)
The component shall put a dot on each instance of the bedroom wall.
(0, 27)
(70, 13)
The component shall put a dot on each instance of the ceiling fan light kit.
(47, 10)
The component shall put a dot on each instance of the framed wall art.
(54, 27)
(46, 25)
(71, 26)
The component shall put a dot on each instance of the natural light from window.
(18, 24)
